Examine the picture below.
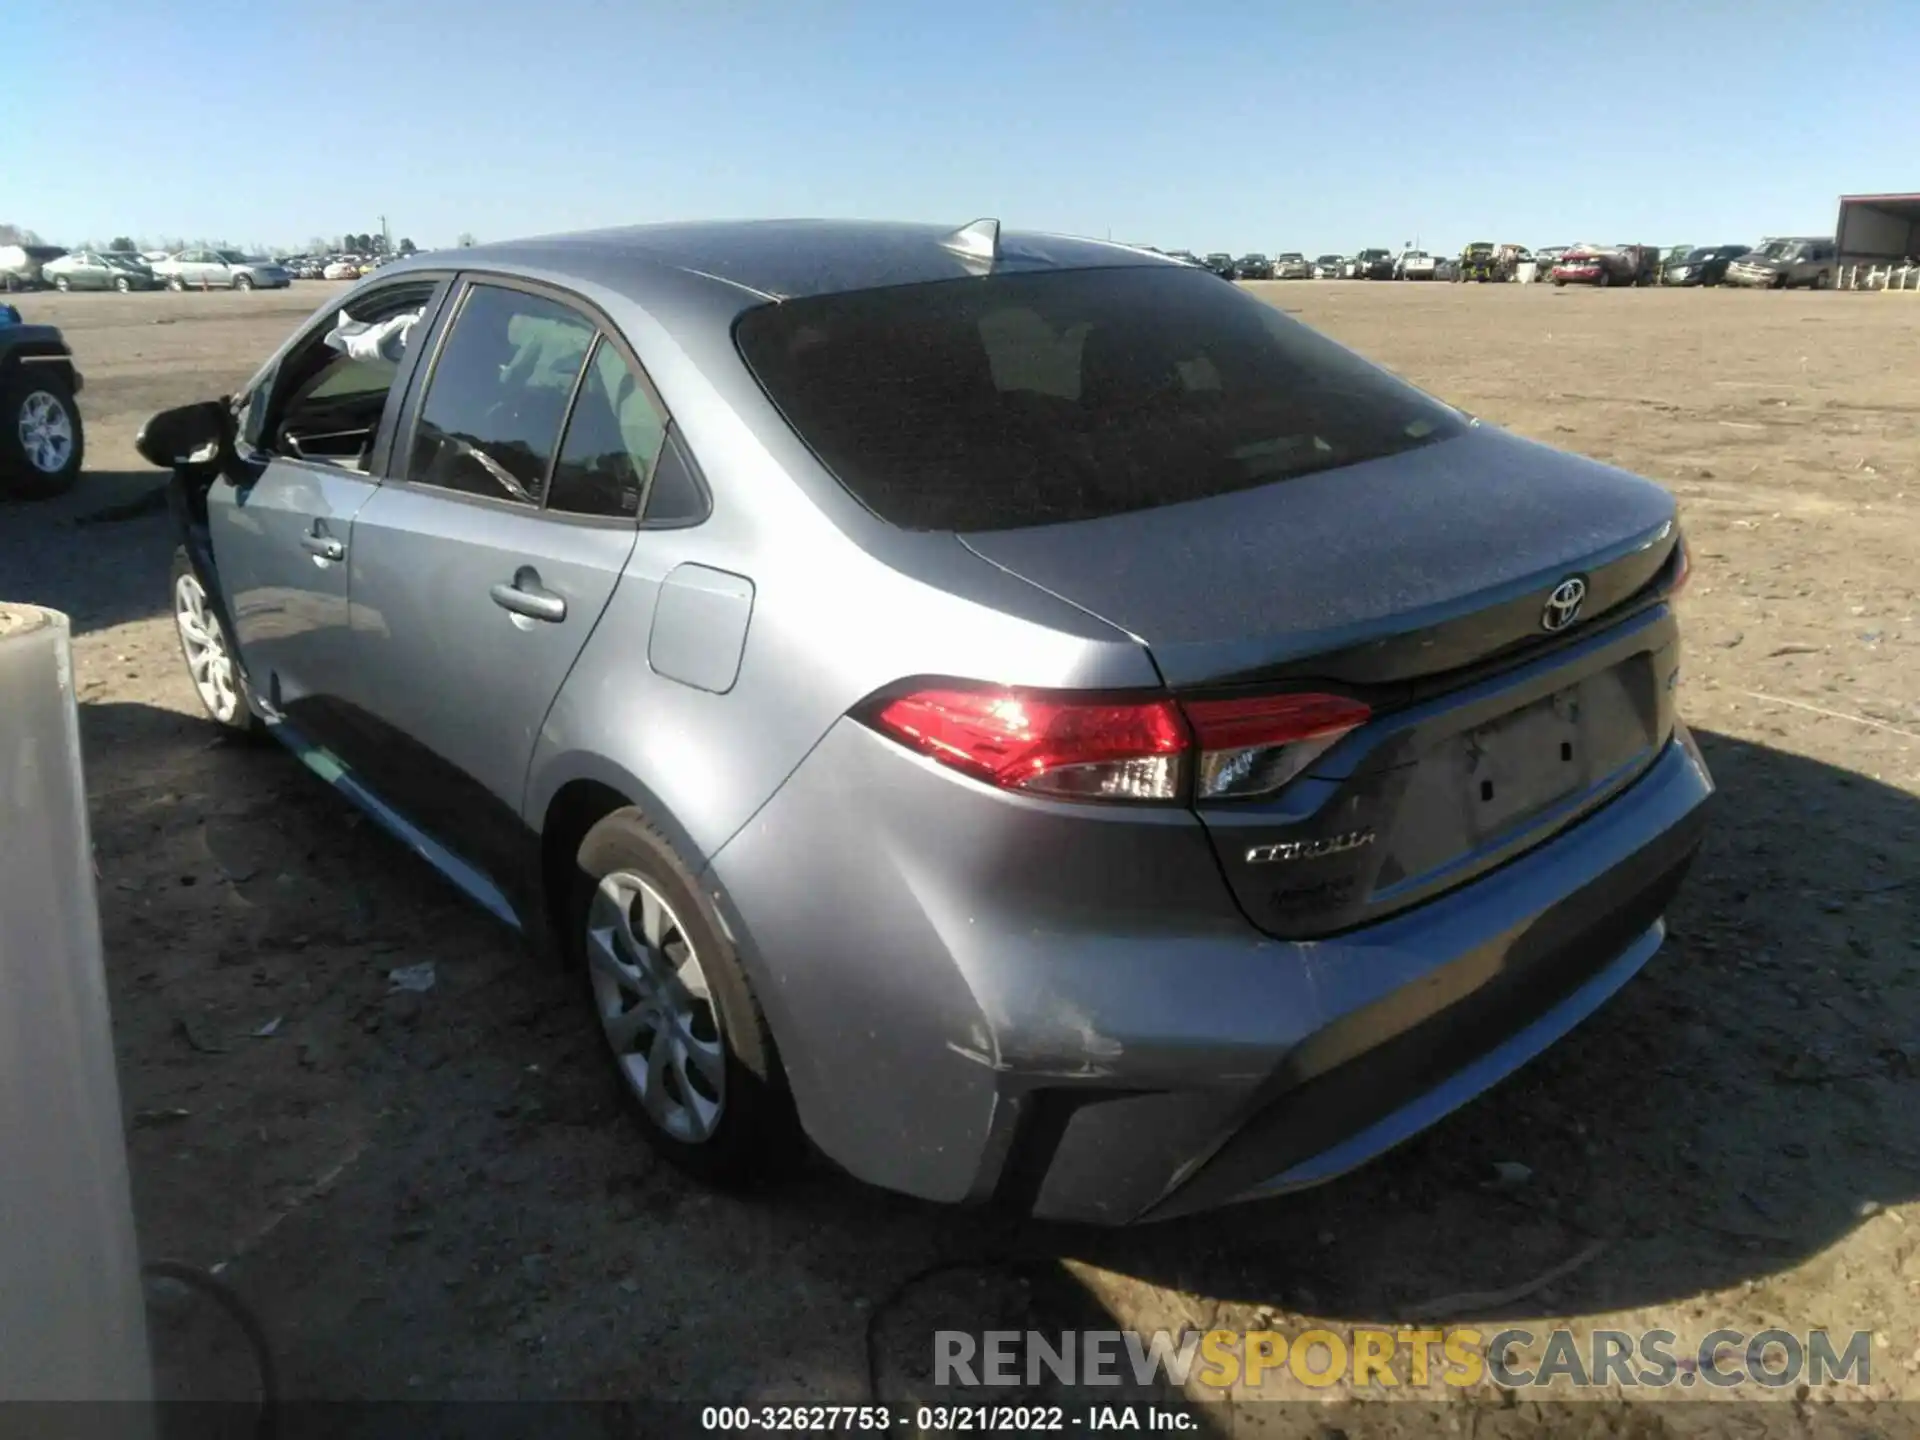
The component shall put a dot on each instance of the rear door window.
(1013, 400)
(490, 423)
(613, 441)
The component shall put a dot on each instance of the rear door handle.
(325, 546)
(527, 596)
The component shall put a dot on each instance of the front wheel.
(122, 284)
(176, 283)
(1606, 279)
(42, 443)
(684, 1032)
(209, 652)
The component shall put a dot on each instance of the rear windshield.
(1013, 400)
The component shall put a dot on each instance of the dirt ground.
(437, 1196)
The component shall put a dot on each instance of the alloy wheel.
(208, 660)
(655, 1007)
(46, 432)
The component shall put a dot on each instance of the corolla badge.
(1563, 605)
(1309, 849)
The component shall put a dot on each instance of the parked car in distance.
(1187, 257)
(1330, 267)
(1267, 813)
(1292, 266)
(1704, 265)
(1253, 266)
(1605, 265)
(342, 267)
(220, 270)
(1781, 264)
(1414, 265)
(20, 265)
(1445, 267)
(1373, 265)
(1221, 264)
(91, 270)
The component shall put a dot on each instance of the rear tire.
(62, 284)
(242, 282)
(42, 442)
(702, 1076)
(122, 284)
(176, 283)
(1606, 279)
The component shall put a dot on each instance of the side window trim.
(566, 418)
(404, 381)
(461, 286)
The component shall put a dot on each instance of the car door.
(311, 431)
(483, 564)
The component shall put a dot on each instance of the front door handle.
(325, 546)
(527, 596)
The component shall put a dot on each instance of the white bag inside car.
(385, 341)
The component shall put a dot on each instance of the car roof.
(783, 259)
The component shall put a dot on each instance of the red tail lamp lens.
(1075, 747)
(1254, 746)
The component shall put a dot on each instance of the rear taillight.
(1076, 747)
(1117, 747)
(1252, 747)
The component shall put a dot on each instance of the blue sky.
(1233, 126)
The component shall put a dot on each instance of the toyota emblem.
(1563, 605)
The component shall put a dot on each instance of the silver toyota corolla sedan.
(1021, 714)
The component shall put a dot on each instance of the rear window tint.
(1013, 400)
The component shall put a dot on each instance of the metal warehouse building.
(1878, 227)
(1878, 240)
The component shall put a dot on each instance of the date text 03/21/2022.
(944, 1419)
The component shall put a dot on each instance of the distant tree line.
(360, 242)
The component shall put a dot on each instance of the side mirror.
(191, 437)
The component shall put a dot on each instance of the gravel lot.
(436, 1196)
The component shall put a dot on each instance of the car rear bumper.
(980, 997)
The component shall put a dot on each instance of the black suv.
(1253, 267)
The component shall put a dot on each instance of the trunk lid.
(1419, 583)
(1391, 570)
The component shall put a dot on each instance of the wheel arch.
(36, 355)
(571, 795)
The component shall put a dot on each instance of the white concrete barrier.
(72, 1310)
